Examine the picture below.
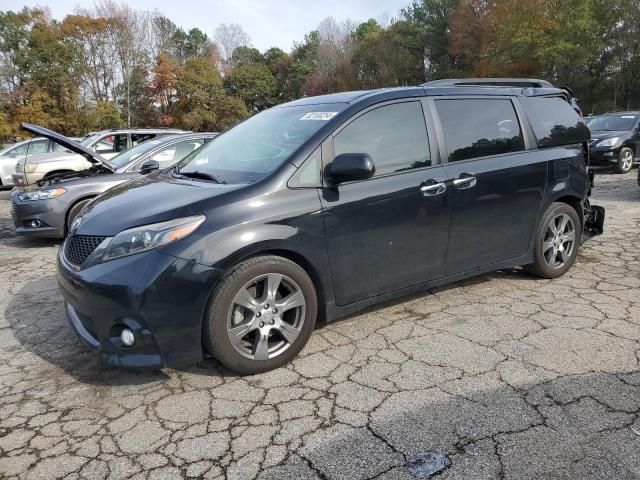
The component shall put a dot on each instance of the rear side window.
(555, 122)
(478, 127)
(395, 136)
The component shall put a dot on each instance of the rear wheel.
(556, 242)
(261, 315)
(625, 160)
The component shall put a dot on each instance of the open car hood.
(72, 145)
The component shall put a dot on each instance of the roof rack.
(488, 82)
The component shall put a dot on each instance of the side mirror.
(149, 166)
(348, 167)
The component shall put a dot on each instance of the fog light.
(35, 223)
(127, 337)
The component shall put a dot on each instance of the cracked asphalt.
(511, 376)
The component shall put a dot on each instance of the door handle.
(465, 180)
(433, 189)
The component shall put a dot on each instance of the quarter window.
(394, 136)
(555, 122)
(308, 175)
(478, 127)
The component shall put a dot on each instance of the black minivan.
(322, 206)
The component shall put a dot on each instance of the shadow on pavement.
(36, 316)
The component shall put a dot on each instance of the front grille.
(79, 247)
(87, 323)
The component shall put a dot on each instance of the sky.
(269, 23)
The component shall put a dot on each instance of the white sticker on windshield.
(628, 116)
(324, 116)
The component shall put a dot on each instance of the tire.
(264, 316)
(75, 209)
(625, 160)
(547, 241)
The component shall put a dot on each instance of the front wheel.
(556, 244)
(261, 315)
(74, 211)
(625, 160)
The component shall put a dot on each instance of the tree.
(228, 37)
(97, 56)
(202, 104)
(383, 59)
(243, 56)
(428, 27)
(252, 83)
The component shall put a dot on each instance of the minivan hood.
(72, 145)
(153, 198)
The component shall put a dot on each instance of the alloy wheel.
(559, 240)
(627, 160)
(266, 316)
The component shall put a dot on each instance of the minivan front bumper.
(160, 298)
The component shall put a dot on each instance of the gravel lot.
(510, 376)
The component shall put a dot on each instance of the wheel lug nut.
(261, 324)
(266, 307)
(258, 314)
(272, 322)
(275, 310)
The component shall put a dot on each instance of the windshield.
(611, 123)
(128, 156)
(259, 145)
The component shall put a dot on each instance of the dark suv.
(615, 140)
(321, 207)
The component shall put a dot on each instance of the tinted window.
(479, 127)
(612, 123)
(554, 122)
(395, 136)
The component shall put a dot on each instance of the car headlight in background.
(609, 142)
(41, 194)
(146, 237)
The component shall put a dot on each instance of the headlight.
(609, 142)
(30, 167)
(41, 194)
(140, 239)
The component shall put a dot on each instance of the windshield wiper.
(202, 175)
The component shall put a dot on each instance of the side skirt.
(334, 311)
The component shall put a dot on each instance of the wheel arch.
(299, 259)
(574, 202)
(75, 202)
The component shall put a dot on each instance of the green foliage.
(243, 56)
(252, 83)
(101, 67)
